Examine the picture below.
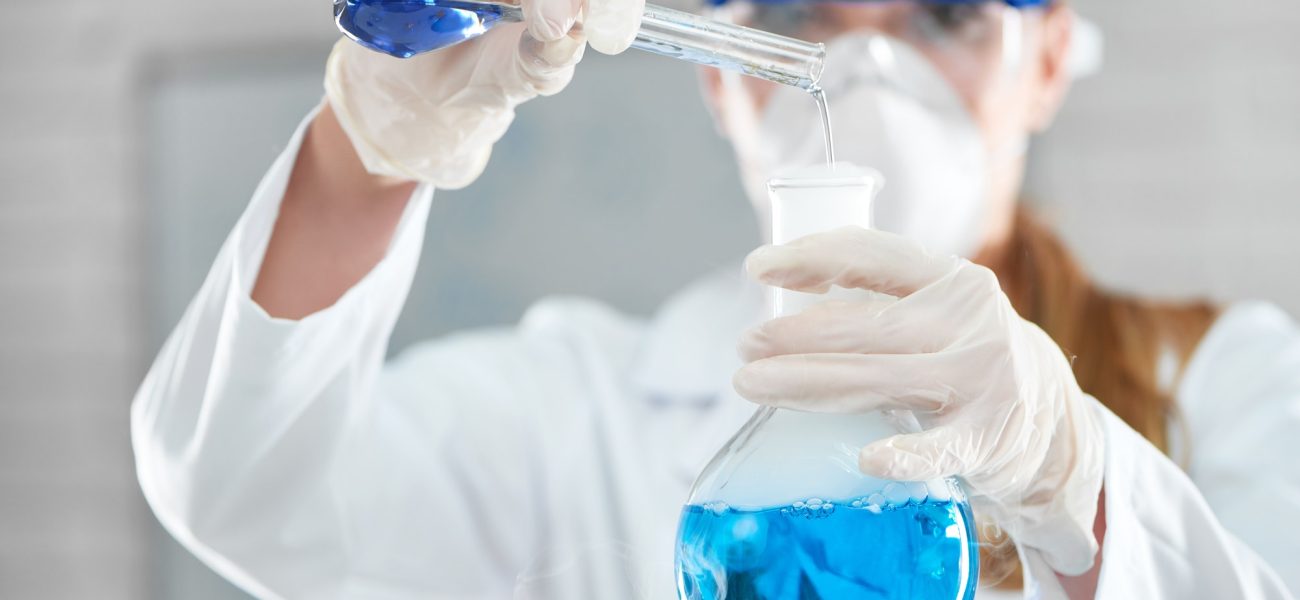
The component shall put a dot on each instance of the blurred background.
(135, 131)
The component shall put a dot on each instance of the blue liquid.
(910, 551)
(404, 28)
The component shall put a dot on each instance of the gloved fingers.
(943, 451)
(550, 20)
(548, 66)
(850, 257)
(845, 383)
(879, 325)
(612, 25)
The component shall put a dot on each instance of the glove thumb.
(612, 25)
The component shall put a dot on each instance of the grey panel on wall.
(625, 162)
(213, 124)
(618, 188)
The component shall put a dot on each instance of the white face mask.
(891, 110)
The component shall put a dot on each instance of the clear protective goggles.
(972, 42)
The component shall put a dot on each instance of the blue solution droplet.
(404, 28)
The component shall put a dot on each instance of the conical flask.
(782, 512)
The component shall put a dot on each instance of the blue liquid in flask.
(404, 28)
(819, 550)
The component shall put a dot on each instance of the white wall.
(1176, 171)
(1173, 172)
(73, 316)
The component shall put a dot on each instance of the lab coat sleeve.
(1229, 527)
(238, 423)
(1241, 403)
(1163, 539)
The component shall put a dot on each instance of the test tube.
(404, 28)
(693, 38)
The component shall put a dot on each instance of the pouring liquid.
(824, 109)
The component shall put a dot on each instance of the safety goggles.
(1011, 3)
(971, 42)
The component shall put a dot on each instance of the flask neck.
(816, 199)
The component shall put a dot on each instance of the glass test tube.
(693, 38)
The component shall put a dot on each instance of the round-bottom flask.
(783, 513)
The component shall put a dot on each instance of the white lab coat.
(550, 459)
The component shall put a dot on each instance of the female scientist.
(1133, 449)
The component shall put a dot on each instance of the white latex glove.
(997, 401)
(434, 117)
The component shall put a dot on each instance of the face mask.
(891, 110)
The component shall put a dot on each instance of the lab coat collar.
(689, 352)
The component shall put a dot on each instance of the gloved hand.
(997, 401)
(434, 117)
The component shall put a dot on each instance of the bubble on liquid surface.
(875, 502)
(917, 491)
(812, 508)
(896, 493)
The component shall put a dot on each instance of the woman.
(551, 459)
